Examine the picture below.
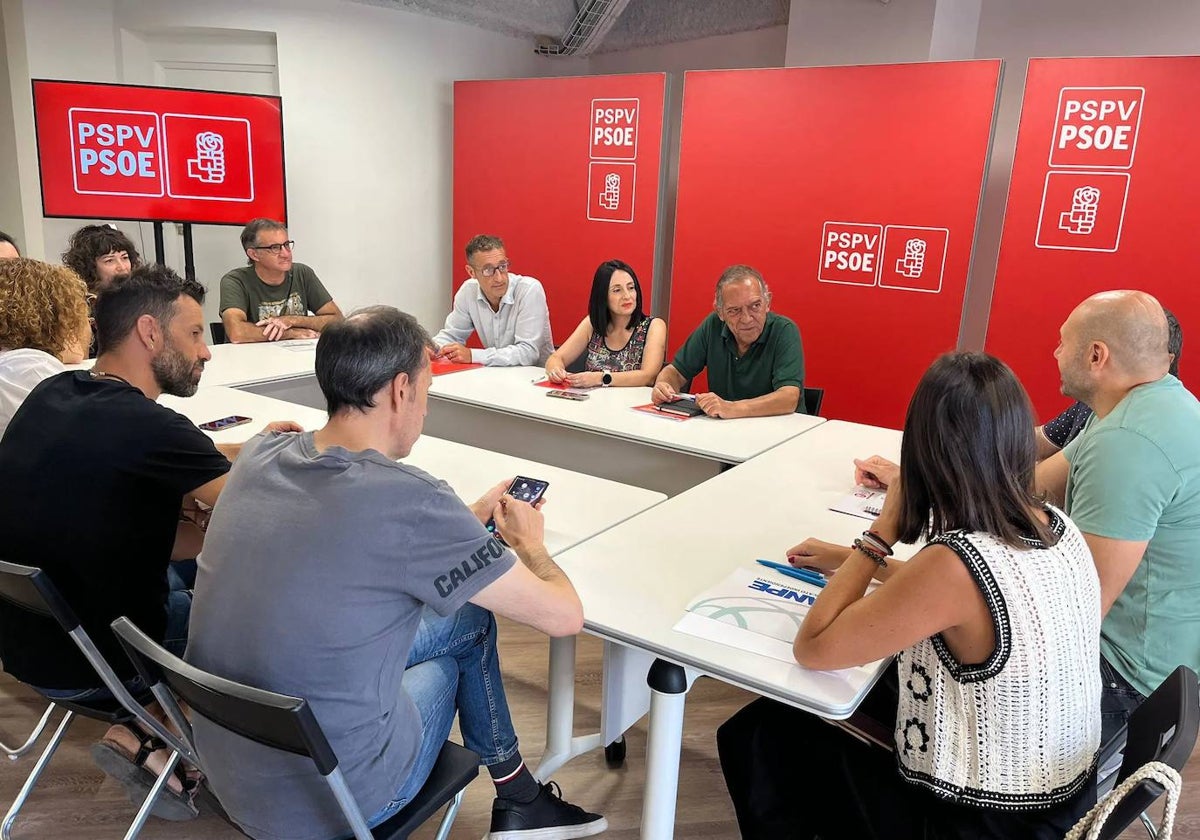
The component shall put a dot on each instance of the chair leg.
(448, 819)
(14, 754)
(43, 760)
(1150, 829)
(148, 804)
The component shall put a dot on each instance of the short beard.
(173, 373)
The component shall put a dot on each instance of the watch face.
(606, 379)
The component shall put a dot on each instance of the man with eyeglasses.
(754, 358)
(271, 298)
(508, 311)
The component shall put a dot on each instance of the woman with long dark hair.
(624, 346)
(995, 625)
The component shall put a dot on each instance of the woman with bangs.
(624, 346)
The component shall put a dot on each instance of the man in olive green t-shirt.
(271, 298)
(754, 358)
(1131, 483)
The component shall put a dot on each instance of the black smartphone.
(223, 423)
(527, 490)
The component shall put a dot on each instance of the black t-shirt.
(92, 477)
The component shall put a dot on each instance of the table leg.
(561, 745)
(668, 693)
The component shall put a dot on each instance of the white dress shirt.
(518, 333)
(20, 372)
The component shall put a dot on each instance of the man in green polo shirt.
(754, 358)
(1131, 483)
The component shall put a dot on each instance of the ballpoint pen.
(815, 578)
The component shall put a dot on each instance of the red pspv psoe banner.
(158, 154)
(855, 191)
(566, 172)
(1103, 196)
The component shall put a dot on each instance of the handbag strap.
(1088, 827)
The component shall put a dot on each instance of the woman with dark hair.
(99, 254)
(624, 346)
(995, 625)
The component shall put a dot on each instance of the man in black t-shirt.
(100, 438)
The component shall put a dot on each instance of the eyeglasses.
(489, 270)
(276, 248)
(754, 308)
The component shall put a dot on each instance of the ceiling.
(641, 23)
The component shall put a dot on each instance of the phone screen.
(527, 490)
(223, 423)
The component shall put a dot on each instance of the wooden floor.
(74, 800)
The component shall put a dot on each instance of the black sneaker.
(547, 817)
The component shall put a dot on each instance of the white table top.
(250, 364)
(609, 411)
(637, 579)
(578, 506)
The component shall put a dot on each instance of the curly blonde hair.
(42, 306)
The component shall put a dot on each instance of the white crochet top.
(1019, 731)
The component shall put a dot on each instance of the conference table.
(602, 435)
(578, 506)
(493, 407)
(637, 579)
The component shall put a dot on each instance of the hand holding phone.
(528, 490)
(223, 423)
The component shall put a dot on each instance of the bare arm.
(571, 349)
(1045, 447)
(238, 328)
(323, 317)
(1116, 561)
(652, 362)
(667, 385)
(930, 594)
(1051, 478)
(782, 401)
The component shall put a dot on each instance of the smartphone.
(527, 490)
(568, 395)
(224, 423)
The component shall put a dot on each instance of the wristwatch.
(606, 379)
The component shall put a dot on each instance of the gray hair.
(254, 227)
(735, 274)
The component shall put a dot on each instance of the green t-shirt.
(1135, 475)
(299, 293)
(774, 360)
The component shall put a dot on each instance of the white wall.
(367, 122)
(826, 32)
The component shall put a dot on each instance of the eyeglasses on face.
(489, 270)
(277, 247)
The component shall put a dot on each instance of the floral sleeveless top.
(629, 357)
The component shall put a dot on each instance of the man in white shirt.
(508, 311)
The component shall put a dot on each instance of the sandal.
(137, 779)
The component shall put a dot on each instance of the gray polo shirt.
(315, 571)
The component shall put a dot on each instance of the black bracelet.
(878, 542)
(871, 552)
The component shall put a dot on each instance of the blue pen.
(813, 578)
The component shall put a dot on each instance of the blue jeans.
(454, 667)
(1118, 699)
(179, 610)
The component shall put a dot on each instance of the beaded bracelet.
(871, 552)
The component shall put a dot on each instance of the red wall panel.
(1103, 196)
(855, 190)
(566, 172)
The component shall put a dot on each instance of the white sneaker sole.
(558, 832)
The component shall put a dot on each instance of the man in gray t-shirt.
(334, 573)
(271, 298)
